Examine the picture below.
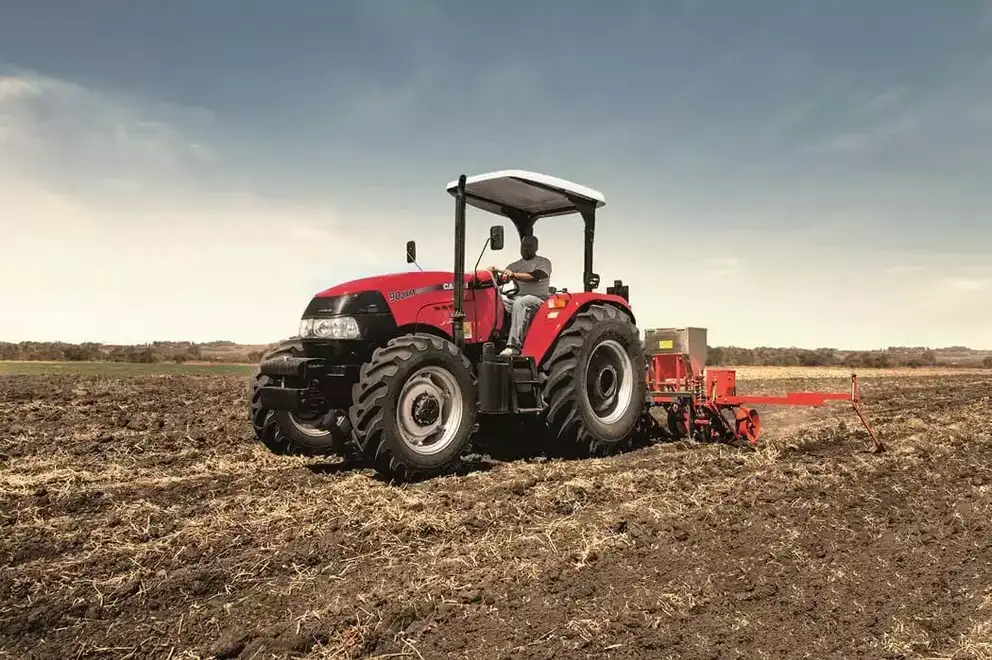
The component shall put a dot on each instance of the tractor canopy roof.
(524, 196)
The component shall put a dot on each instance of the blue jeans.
(521, 311)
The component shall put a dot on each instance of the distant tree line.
(160, 351)
(229, 352)
(894, 356)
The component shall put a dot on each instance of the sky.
(791, 173)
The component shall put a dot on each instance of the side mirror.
(411, 252)
(496, 237)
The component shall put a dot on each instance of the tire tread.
(564, 417)
(367, 414)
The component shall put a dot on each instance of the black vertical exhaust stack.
(458, 316)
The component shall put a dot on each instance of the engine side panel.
(550, 319)
(483, 313)
(433, 305)
(486, 314)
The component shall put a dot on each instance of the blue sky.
(170, 167)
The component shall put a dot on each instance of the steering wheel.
(511, 293)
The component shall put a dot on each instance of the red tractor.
(402, 369)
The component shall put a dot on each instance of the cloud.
(969, 284)
(721, 266)
(900, 270)
(52, 127)
(886, 101)
(944, 119)
(122, 222)
(885, 131)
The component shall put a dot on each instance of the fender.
(555, 313)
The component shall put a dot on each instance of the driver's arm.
(537, 276)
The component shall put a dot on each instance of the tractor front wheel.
(594, 382)
(414, 407)
(287, 432)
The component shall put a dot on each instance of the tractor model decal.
(394, 296)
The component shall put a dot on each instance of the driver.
(532, 273)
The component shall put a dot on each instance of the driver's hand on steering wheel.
(500, 274)
(507, 275)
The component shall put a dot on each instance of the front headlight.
(336, 327)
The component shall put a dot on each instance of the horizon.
(839, 349)
(783, 175)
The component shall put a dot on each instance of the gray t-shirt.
(539, 288)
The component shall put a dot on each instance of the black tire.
(376, 396)
(285, 433)
(601, 330)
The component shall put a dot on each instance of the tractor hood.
(397, 286)
(375, 306)
(387, 283)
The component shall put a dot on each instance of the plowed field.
(139, 519)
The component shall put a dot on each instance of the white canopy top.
(528, 192)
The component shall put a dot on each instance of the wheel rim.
(609, 382)
(308, 426)
(429, 410)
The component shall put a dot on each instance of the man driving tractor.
(533, 276)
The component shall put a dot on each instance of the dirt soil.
(138, 518)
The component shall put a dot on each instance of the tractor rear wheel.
(287, 432)
(594, 382)
(414, 406)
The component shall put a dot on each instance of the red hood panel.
(392, 282)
